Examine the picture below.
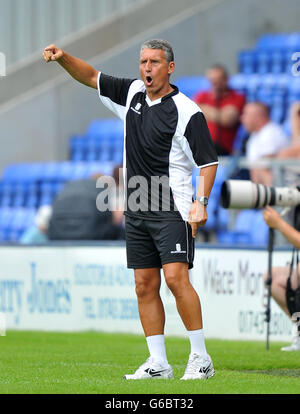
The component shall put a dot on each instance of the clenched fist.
(52, 53)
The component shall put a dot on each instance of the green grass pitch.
(94, 363)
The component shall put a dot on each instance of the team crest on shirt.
(137, 108)
(178, 249)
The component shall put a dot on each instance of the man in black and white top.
(165, 136)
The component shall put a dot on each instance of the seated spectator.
(117, 197)
(37, 233)
(222, 107)
(76, 214)
(292, 172)
(266, 140)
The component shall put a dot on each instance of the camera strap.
(297, 227)
(292, 266)
(293, 296)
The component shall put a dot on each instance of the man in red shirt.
(222, 107)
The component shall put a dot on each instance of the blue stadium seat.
(105, 128)
(32, 195)
(259, 230)
(262, 62)
(238, 82)
(265, 96)
(117, 156)
(278, 113)
(277, 63)
(21, 219)
(104, 151)
(269, 81)
(286, 126)
(249, 228)
(20, 194)
(282, 82)
(64, 171)
(288, 62)
(272, 41)
(6, 217)
(293, 41)
(105, 168)
(223, 218)
(50, 171)
(92, 149)
(253, 83)
(190, 85)
(80, 170)
(247, 61)
(78, 148)
(17, 225)
(212, 207)
(240, 136)
(279, 98)
(294, 87)
(7, 194)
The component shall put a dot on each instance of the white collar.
(151, 103)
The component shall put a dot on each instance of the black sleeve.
(200, 141)
(116, 89)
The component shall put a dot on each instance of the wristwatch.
(202, 200)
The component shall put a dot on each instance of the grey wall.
(44, 21)
(39, 128)
(97, 39)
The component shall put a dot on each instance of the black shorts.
(292, 298)
(153, 243)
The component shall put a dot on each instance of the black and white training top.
(164, 140)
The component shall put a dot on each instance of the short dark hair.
(160, 44)
(220, 67)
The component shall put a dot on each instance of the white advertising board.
(75, 288)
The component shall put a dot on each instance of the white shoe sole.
(162, 377)
(205, 377)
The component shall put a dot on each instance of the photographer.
(285, 291)
(292, 172)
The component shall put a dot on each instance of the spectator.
(77, 216)
(38, 232)
(118, 197)
(222, 107)
(292, 172)
(266, 140)
(285, 287)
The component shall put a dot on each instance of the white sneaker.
(198, 367)
(295, 345)
(151, 369)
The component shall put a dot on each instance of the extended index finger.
(194, 229)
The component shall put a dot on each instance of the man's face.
(155, 70)
(218, 79)
(249, 117)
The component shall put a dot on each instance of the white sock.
(157, 349)
(197, 342)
